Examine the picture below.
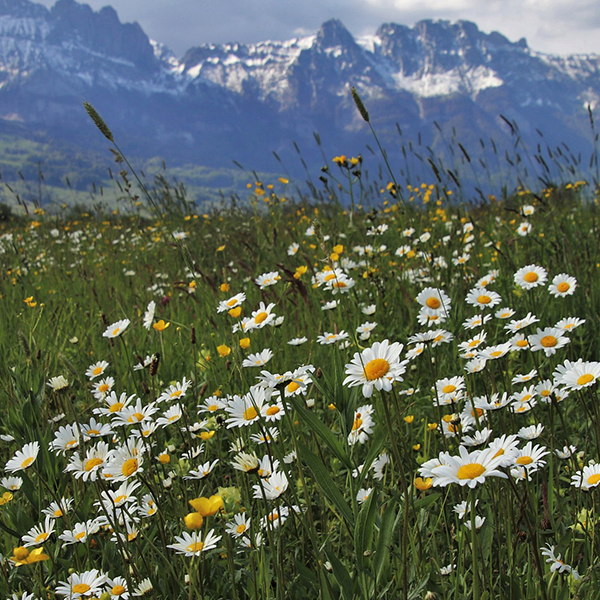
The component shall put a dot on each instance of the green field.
(387, 392)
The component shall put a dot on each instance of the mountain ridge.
(244, 102)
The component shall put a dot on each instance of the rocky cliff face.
(241, 101)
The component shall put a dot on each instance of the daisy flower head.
(96, 369)
(376, 367)
(267, 279)
(524, 228)
(298, 341)
(117, 588)
(270, 488)
(101, 387)
(505, 447)
(332, 338)
(231, 303)
(247, 409)
(365, 330)
(450, 389)
(149, 315)
(476, 321)
(23, 458)
(82, 585)
(261, 317)
(556, 563)
(569, 323)
(259, 359)
(530, 457)
(11, 483)
(469, 468)
(435, 299)
(482, 298)
(125, 461)
(530, 433)
(58, 383)
(566, 452)
(504, 313)
(494, 352)
(116, 329)
(39, 534)
(577, 375)
(518, 324)
(549, 340)
(479, 438)
(531, 276)
(192, 544)
(362, 426)
(428, 317)
(562, 285)
(239, 526)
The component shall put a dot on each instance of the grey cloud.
(548, 25)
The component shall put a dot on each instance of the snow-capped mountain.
(241, 101)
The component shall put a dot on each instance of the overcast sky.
(555, 26)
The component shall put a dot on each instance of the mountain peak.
(333, 33)
(22, 8)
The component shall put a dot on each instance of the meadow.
(386, 392)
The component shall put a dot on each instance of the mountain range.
(424, 87)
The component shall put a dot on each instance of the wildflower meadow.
(384, 392)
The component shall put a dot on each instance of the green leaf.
(426, 501)
(374, 451)
(326, 483)
(341, 574)
(365, 523)
(389, 520)
(319, 428)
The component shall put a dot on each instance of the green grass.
(68, 276)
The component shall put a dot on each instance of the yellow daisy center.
(522, 343)
(499, 453)
(357, 423)
(42, 537)
(117, 590)
(593, 479)
(470, 471)
(120, 499)
(433, 303)
(138, 416)
(531, 277)
(548, 341)
(448, 389)
(195, 547)
(116, 407)
(103, 388)
(260, 317)
(80, 535)
(92, 432)
(484, 299)
(376, 368)
(240, 528)
(232, 302)
(524, 460)
(27, 462)
(250, 414)
(563, 287)
(91, 463)
(212, 408)
(97, 371)
(176, 394)
(81, 588)
(273, 410)
(583, 379)
(116, 330)
(130, 466)
(292, 387)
